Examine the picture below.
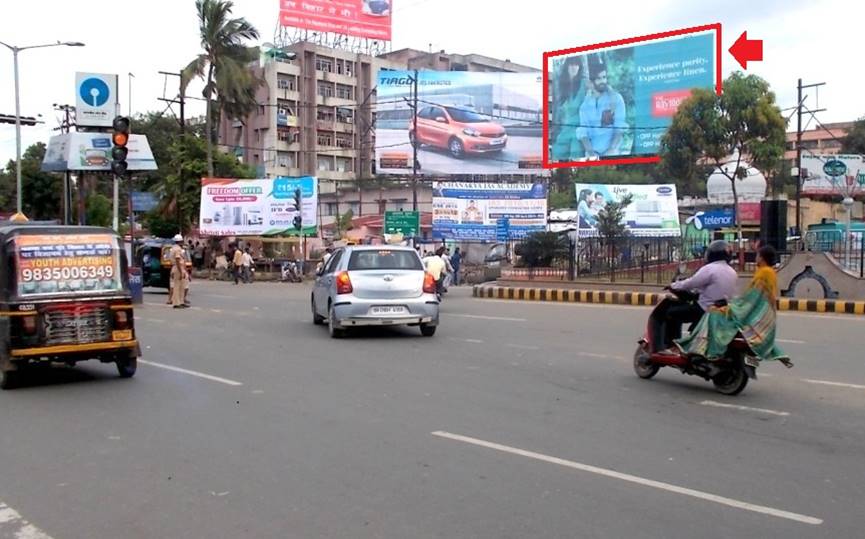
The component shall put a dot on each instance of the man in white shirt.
(435, 266)
(246, 262)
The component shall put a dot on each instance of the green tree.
(223, 65)
(611, 226)
(187, 164)
(743, 122)
(98, 210)
(854, 142)
(540, 249)
(41, 192)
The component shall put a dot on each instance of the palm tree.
(223, 65)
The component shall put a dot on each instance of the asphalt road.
(435, 160)
(517, 420)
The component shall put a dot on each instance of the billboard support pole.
(799, 179)
(415, 145)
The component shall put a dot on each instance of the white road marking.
(217, 311)
(523, 347)
(210, 377)
(590, 354)
(218, 296)
(12, 524)
(745, 408)
(790, 341)
(669, 487)
(473, 341)
(480, 317)
(156, 320)
(836, 384)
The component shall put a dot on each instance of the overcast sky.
(818, 41)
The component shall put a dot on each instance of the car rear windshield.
(466, 116)
(384, 259)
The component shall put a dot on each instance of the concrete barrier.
(620, 297)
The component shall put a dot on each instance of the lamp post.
(15, 50)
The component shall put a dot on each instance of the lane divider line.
(481, 317)
(660, 485)
(745, 408)
(835, 384)
(205, 376)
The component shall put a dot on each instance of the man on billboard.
(602, 115)
(472, 213)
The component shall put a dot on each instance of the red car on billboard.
(458, 130)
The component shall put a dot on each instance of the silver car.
(375, 285)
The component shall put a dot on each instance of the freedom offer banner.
(232, 207)
(465, 211)
(653, 211)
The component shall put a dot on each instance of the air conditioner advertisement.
(653, 211)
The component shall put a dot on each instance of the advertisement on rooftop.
(833, 174)
(467, 123)
(359, 18)
(613, 102)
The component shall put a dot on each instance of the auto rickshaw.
(153, 257)
(64, 297)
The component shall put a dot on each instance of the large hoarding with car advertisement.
(653, 211)
(359, 18)
(232, 207)
(614, 101)
(467, 123)
(469, 211)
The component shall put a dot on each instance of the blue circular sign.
(94, 92)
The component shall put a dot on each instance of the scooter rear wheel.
(731, 382)
(642, 367)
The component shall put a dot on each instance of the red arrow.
(746, 50)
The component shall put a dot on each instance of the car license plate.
(752, 361)
(388, 310)
(497, 141)
(121, 335)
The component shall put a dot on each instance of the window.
(345, 141)
(384, 259)
(324, 64)
(325, 89)
(286, 83)
(344, 115)
(334, 261)
(284, 159)
(344, 91)
(261, 110)
(330, 208)
(325, 162)
(343, 164)
(349, 68)
(257, 135)
(325, 139)
(325, 114)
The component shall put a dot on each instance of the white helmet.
(178, 238)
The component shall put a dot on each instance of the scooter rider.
(715, 282)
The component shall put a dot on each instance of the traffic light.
(298, 204)
(120, 138)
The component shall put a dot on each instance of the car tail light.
(429, 283)
(121, 319)
(343, 283)
(28, 324)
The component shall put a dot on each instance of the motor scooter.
(729, 374)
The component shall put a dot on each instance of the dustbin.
(136, 285)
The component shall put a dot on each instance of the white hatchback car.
(375, 285)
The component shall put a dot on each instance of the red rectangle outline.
(650, 37)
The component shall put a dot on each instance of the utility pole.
(66, 127)
(415, 144)
(799, 178)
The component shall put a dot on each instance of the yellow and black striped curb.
(617, 297)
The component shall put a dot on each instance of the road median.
(635, 298)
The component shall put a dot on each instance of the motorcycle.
(729, 374)
(290, 273)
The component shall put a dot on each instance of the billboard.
(467, 123)
(611, 103)
(653, 211)
(359, 18)
(231, 207)
(95, 99)
(833, 174)
(466, 211)
(92, 152)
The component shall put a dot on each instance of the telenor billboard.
(467, 123)
(611, 103)
(359, 18)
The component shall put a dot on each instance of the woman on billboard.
(572, 86)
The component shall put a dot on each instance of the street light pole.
(15, 50)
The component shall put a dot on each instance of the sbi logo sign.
(94, 92)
